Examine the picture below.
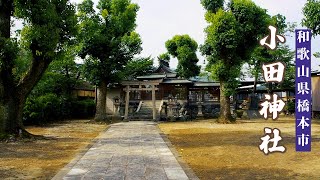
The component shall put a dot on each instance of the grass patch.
(43, 158)
(230, 151)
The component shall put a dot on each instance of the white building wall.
(111, 94)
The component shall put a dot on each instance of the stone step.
(141, 117)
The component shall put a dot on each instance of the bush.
(83, 109)
(50, 107)
(43, 109)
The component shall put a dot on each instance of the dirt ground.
(42, 159)
(230, 151)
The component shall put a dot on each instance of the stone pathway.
(127, 151)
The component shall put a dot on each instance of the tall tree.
(184, 49)
(48, 26)
(232, 35)
(108, 43)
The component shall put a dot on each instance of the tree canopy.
(48, 25)
(311, 11)
(108, 37)
(137, 67)
(311, 19)
(184, 48)
(283, 53)
(232, 35)
(108, 42)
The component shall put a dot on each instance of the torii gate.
(140, 84)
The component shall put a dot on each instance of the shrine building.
(162, 95)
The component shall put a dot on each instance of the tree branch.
(37, 69)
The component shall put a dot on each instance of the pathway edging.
(127, 151)
(191, 175)
(64, 171)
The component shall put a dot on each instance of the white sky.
(160, 20)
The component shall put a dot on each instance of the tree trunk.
(6, 7)
(13, 98)
(13, 94)
(101, 113)
(225, 110)
(11, 106)
(11, 111)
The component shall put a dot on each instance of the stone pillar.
(154, 111)
(127, 103)
(200, 114)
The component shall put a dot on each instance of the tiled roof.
(164, 68)
(152, 76)
(176, 81)
(206, 84)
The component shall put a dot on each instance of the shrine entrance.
(141, 90)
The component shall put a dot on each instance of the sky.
(159, 20)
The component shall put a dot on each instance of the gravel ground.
(230, 151)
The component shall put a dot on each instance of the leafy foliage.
(283, 53)
(184, 49)
(137, 67)
(108, 38)
(51, 107)
(311, 11)
(52, 97)
(212, 6)
(48, 26)
(232, 35)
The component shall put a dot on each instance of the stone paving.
(128, 151)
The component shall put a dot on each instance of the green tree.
(137, 67)
(311, 11)
(232, 35)
(108, 42)
(65, 66)
(48, 26)
(52, 98)
(184, 49)
(283, 53)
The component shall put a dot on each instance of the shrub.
(291, 106)
(43, 109)
(50, 107)
(83, 108)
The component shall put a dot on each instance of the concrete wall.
(111, 94)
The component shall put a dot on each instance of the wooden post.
(154, 102)
(140, 92)
(127, 103)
